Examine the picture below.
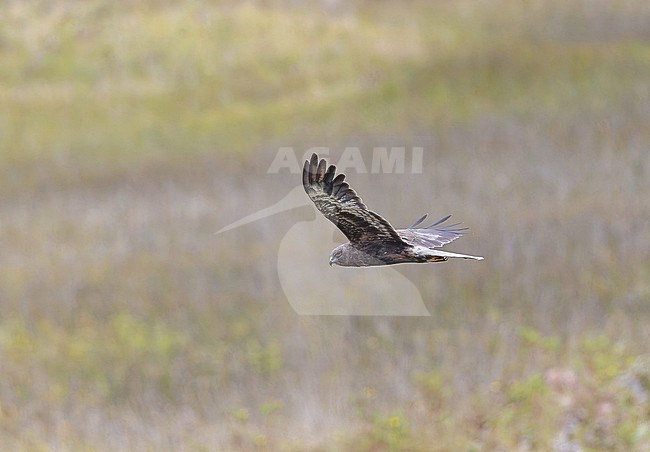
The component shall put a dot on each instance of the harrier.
(373, 241)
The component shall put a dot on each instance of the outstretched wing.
(342, 206)
(431, 236)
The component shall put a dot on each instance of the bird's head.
(338, 256)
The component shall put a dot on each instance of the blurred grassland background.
(131, 131)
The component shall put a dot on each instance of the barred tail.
(436, 255)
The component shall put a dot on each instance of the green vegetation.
(113, 82)
(130, 132)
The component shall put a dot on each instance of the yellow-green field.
(131, 131)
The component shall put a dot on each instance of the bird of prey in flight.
(373, 241)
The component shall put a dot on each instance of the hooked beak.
(330, 261)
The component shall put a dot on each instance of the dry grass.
(131, 133)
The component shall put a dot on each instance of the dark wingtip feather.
(338, 180)
(305, 175)
(329, 175)
(424, 217)
(341, 187)
(313, 166)
(320, 171)
(442, 220)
